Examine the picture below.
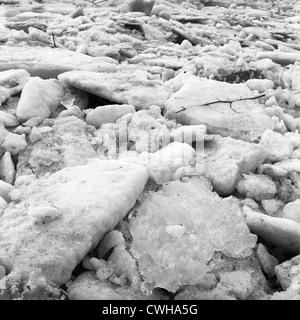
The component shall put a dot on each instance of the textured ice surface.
(167, 256)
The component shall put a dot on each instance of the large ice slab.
(122, 88)
(47, 62)
(226, 109)
(58, 219)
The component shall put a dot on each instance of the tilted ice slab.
(57, 220)
(177, 230)
(122, 88)
(226, 109)
(47, 62)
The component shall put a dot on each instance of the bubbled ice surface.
(211, 224)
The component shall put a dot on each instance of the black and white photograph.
(149, 153)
